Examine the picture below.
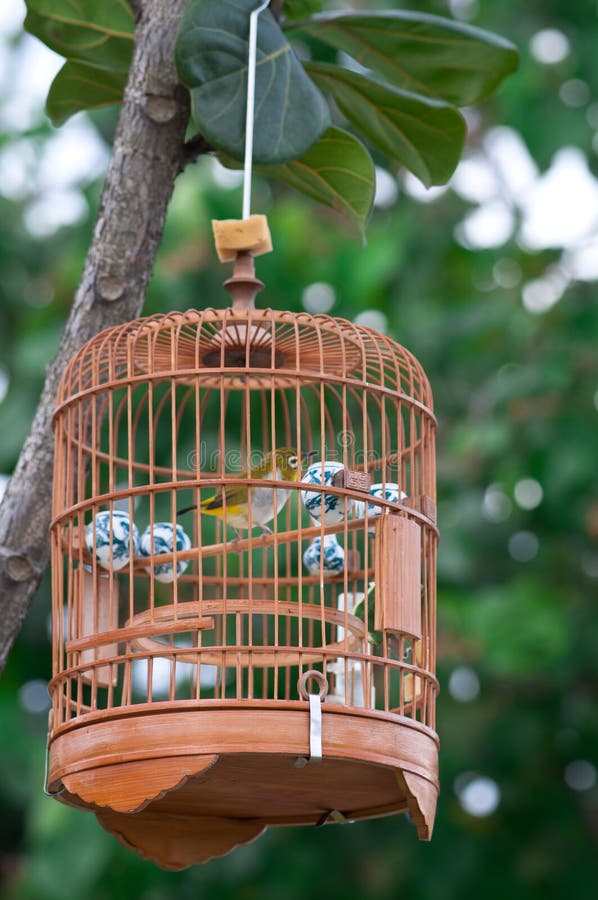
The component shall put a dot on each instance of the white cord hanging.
(251, 60)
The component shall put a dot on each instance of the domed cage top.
(244, 513)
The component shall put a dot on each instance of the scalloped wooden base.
(180, 786)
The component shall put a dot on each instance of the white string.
(250, 108)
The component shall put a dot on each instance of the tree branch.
(194, 147)
(148, 154)
(137, 7)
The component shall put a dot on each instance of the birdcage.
(243, 548)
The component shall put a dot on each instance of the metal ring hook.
(317, 677)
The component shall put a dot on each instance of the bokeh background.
(491, 282)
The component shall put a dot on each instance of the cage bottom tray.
(181, 783)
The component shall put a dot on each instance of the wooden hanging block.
(232, 236)
(97, 596)
(398, 576)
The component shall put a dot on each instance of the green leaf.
(97, 40)
(211, 55)
(299, 9)
(99, 33)
(78, 86)
(338, 172)
(423, 53)
(425, 135)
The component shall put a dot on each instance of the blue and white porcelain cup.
(332, 507)
(383, 491)
(333, 561)
(164, 541)
(114, 535)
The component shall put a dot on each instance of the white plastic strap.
(315, 728)
(249, 116)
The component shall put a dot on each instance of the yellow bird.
(284, 464)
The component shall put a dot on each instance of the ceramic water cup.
(115, 536)
(383, 491)
(334, 556)
(164, 542)
(332, 507)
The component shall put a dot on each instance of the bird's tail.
(210, 506)
(186, 509)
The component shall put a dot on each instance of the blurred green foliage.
(405, 117)
(515, 394)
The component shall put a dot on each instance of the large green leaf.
(338, 172)
(423, 53)
(78, 86)
(423, 134)
(97, 40)
(211, 55)
(99, 32)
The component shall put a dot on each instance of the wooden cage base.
(182, 786)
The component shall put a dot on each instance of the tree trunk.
(148, 153)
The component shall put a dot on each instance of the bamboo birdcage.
(182, 705)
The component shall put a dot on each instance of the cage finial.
(243, 286)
